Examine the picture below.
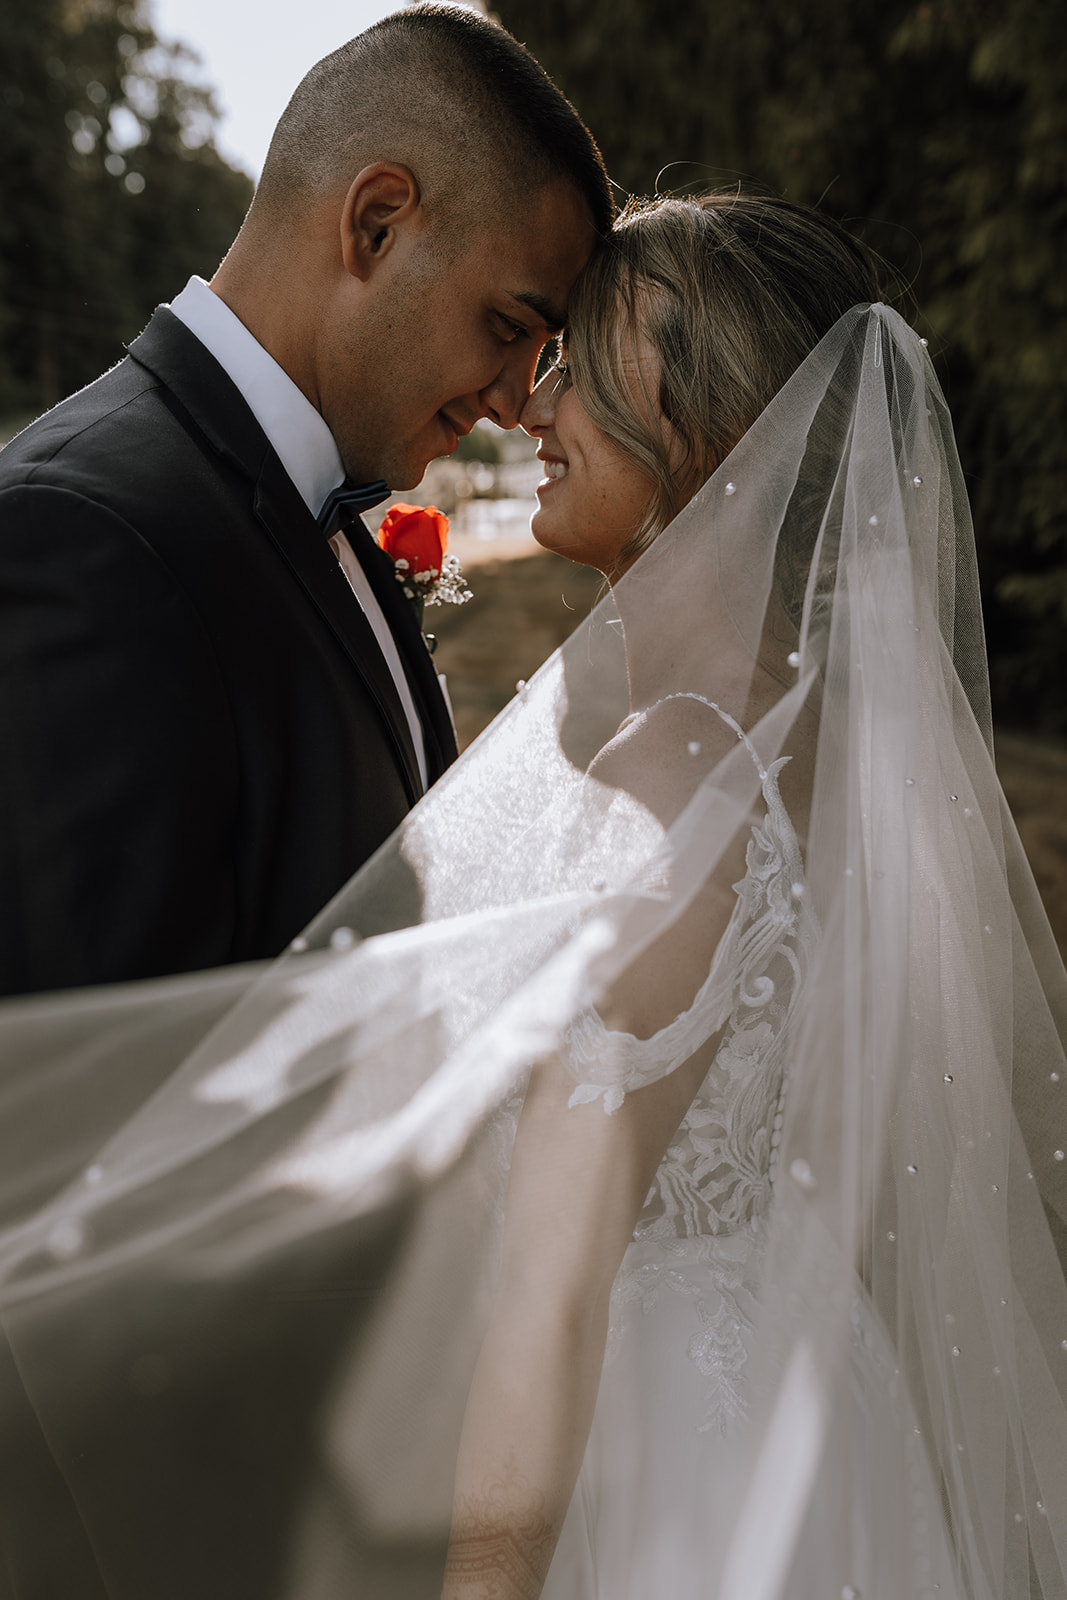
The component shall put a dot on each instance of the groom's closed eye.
(515, 330)
(551, 316)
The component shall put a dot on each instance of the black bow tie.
(352, 498)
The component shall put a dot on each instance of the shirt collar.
(296, 430)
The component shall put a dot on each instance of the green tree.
(992, 209)
(111, 189)
(937, 132)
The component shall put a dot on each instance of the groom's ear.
(382, 203)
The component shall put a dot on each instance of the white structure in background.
(482, 500)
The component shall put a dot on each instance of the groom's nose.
(540, 409)
(506, 397)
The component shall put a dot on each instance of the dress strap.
(768, 777)
(726, 717)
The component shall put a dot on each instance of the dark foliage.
(111, 190)
(938, 132)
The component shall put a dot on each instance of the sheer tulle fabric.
(251, 1223)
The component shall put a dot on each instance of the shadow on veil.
(184, 1403)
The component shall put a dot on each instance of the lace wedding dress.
(647, 1513)
(682, 1302)
(700, 1228)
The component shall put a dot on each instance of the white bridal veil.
(249, 1223)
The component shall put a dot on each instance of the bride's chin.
(544, 537)
(541, 528)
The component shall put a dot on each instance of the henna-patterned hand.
(502, 1542)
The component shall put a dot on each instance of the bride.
(643, 1179)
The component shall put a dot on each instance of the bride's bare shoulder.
(661, 753)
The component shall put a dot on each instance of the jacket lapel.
(421, 673)
(215, 406)
(297, 537)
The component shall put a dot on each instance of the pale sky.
(255, 52)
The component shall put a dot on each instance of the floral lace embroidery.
(713, 1184)
(719, 1277)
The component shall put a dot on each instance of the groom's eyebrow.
(552, 317)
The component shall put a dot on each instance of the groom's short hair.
(452, 95)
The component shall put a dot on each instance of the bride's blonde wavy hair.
(731, 292)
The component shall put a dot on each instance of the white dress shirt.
(304, 445)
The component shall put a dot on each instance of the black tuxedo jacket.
(199, 738)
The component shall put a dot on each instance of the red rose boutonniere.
(416, 538)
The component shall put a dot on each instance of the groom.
(215, 702)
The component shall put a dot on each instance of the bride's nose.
(539, 412)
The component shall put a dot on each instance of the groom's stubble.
(404, 324)
(453, 336)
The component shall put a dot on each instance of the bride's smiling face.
(593, 498)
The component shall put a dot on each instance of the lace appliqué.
(713, 1184)
(719, 1277)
